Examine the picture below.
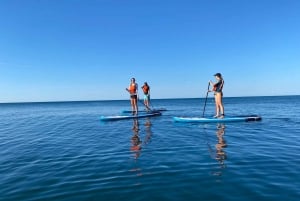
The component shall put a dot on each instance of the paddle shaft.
(145, 105)
(205, 99)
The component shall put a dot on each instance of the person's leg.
(217, 106)
(222, 108)
(135, 105)
(220, 104)
(148, 98)
(132, 105)
(147, 102)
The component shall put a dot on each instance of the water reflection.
(148, 131)
(136, 142)
(221, 144)
(218, 152)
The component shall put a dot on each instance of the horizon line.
(64, 101)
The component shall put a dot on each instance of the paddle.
(206, 99)
(146, 105)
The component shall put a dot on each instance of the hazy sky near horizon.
(61, 50)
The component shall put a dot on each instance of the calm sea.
(62, 152)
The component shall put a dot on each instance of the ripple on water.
(62, 152)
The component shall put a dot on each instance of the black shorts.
(134, 96)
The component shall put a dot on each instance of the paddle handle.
(205, 99)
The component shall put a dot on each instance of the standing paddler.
(133, 91)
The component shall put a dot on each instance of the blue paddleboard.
(144, 111)
(120, 117)
(216, 120)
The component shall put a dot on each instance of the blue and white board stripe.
(216, 120)
(120, 117)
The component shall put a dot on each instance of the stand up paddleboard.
(217, 120)
(144, 111)
(121, 117)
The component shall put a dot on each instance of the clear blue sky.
(56, 50)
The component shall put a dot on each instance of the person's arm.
(213, 85)
(127, 90)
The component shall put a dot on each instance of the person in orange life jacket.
(146, 90)
(217, 89)
(133, 91)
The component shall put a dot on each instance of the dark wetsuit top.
(219, 86)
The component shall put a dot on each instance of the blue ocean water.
(61, 151)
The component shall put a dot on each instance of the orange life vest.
(145, 89)
(132, 88)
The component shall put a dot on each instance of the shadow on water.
(217, 151)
